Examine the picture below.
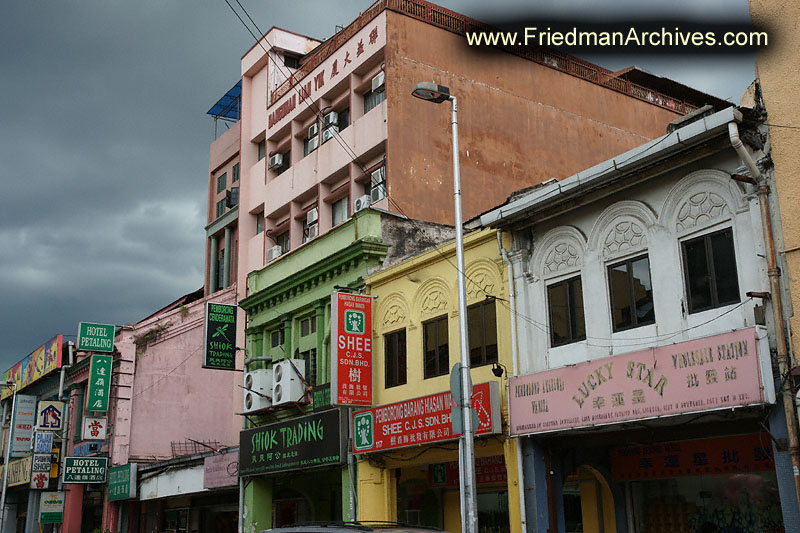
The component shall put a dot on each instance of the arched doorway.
(588, 502)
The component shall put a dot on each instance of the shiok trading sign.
(351, 354)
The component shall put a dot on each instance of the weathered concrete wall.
(520, 123)
(776, 68)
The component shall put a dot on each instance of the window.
(276, 338)
(308, 326)
(310, 357)
(631, 294)
(220, 208)
(435, 344)
(291, 60)
(395, 354)
(482, 327)
(341, 211)
(565, 302)
(259, 223)
(262, 150)
(282, 240)
(232, 197)
(235, 173)
(344, 118)
(372, 99)
(285, 163)
(709, 264)
(222, 182)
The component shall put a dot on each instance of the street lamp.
(8, 455)
(433, 92)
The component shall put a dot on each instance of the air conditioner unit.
(273, 253)
(257, 390)
(377, 176)
(313, 231)
(331, 119)
(377, 82)
(313, 144)
(329, 133)
(275, 161)
(313, 130)
(287, 385)
(377, 193)
(362, 202)
(312, 216)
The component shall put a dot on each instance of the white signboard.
(41, 462)
(43, 442)
(40, 480)
(50, 416)
(24, 418)
(94, 428)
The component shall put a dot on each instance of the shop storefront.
(295, 471)
(414, 443)
(677, 441)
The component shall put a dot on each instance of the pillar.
(228, 257)
(212, 266)
(257, 513)
(783, 465)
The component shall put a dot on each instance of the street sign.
(351, 353)
(51, 508)
(95, 337)
(456, 409)
(99, 382)
(85, 469)
(220, 337)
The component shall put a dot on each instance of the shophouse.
(651, 386)
(408, 455)
(294, 450)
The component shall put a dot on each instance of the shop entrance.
(588, 503)
(291, 508)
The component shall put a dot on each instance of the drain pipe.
(512, 298)
(774, 275)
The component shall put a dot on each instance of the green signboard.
(95, 337)
(314, 440)
(99, 382)
(85, 469)
(220, 337)
(51, 507)
(122, 482)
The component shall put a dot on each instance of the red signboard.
(717, 372)
(488, 471)
(742, 453)
(351, 351)
(422, 420)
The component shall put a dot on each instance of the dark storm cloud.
(105, 144)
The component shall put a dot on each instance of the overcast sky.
(105, 139)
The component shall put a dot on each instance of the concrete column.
(510, 456)
(534, 477)
(226, 265)
(257, 505)
(212, 266)
(783, 465)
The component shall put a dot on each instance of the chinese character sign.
(351, 353)
(99, 383)
(94, 428)
(716, 372)
(220, 336)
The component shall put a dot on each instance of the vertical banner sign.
(220, 337)
(122, 482)
(49, 416)
(95, 337)
(99, 383)
(351, 353)
(24, 418)
(51, 508)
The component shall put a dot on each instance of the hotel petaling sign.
(718, 372)
(422, 420)
(85, 469)
(95, 337)
(334, 69)
(351, 351)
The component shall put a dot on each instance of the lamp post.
(7, 456)
(433, 92)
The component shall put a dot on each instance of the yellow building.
(416, 343)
